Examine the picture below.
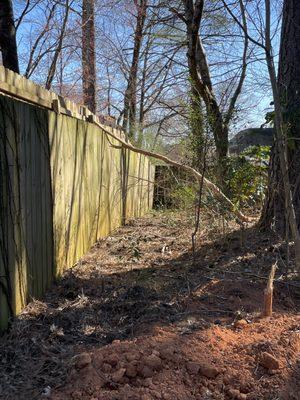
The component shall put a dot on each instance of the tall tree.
(8, 42)
(280, 186)
(129, 117)
(88, 54)
(201, 80)
(274, 210)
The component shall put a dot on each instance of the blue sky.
(256, 97)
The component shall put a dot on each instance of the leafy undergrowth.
(140, 318)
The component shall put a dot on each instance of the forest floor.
(140, 318)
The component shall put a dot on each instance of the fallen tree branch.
(215, 190)
(252, 275)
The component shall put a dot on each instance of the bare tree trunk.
(109, 89)
(289, 89)
(8, 42)
(143, 87)
(196, 124)
(202, 83)
(129, 120)
(279, 161)
(88, 55)
(289, 208)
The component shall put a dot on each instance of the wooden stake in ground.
(268, 294)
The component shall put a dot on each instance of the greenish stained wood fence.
(63, 185)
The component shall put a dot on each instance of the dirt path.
(138, 319)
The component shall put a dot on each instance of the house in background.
(251, 137)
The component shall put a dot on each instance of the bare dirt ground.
(139, 318)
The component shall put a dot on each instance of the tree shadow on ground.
(222, 282)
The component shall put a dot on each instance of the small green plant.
(183, 196)
(247, 176)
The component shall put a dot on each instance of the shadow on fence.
(62, 186)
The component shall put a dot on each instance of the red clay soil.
(219, 362)
(141, 318)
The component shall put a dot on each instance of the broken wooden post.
(268, 294)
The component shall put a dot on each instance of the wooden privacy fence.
(64, 184)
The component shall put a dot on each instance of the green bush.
(183, 196)
(247, 176)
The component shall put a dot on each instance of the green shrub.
(183, 196)
(247, 176)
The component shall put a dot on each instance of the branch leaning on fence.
(214, 189)
(55, 105)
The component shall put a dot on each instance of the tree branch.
(210, 185)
